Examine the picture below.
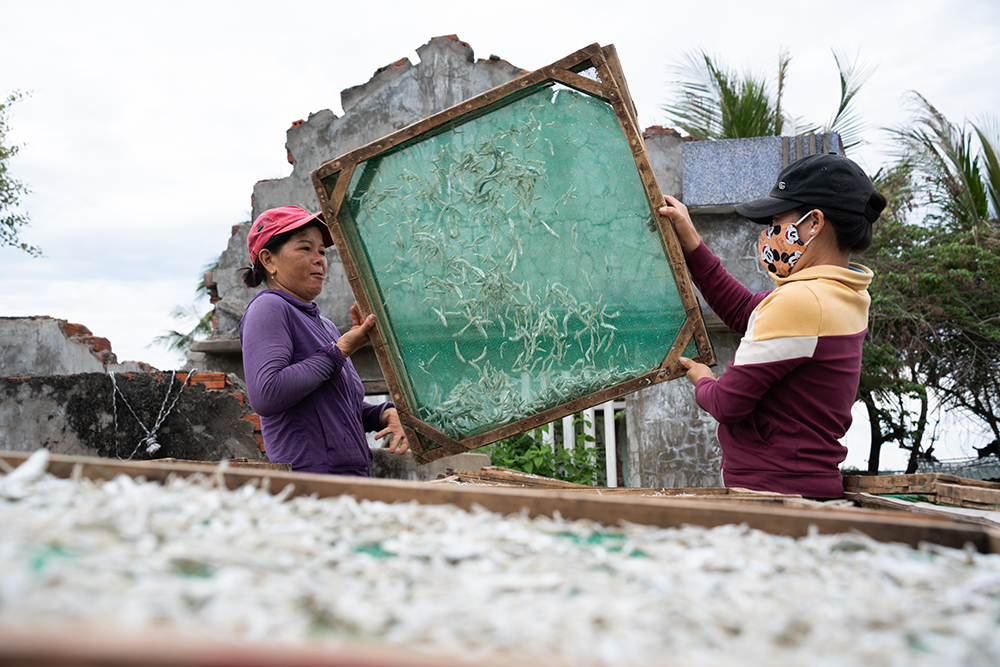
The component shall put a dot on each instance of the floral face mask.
(779, 247)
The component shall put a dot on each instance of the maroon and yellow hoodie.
(784, 402)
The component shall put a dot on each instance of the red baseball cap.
(280, 220)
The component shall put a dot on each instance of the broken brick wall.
(84, 414)
(44, 345)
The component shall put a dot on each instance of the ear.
(816, 221)
(266, 260)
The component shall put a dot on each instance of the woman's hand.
(680, 218)
(393, 431)
(358, 335)
(696, 371)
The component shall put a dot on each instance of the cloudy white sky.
(148, 123)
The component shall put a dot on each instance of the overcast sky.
(148, 123)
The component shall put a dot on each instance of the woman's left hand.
(696, 371)
(358, 334)
(393, 431)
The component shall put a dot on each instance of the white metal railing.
(605, 416)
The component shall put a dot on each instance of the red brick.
(75, 330)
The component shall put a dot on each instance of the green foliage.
(584, 464)
(180, 342)
(11, 189)
(934, 328)
(717, 103)
(958, 168)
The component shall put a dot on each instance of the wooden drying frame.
(82, 645)
(612, 89)
(665, 512)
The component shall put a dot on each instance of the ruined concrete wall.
(665, 149)
(47, 346)
(396, 96)
(84, 415)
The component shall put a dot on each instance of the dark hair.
(255, 275)
(854, 230)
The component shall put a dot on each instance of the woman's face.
(299, 266)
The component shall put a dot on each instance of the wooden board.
(933, 487)
(79, 645)
(607, 510)
(975, 497)
(990, 518)
(496, 476)
(233, 463)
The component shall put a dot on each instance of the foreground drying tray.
(61, 644)
(511, 251)
(665, 512)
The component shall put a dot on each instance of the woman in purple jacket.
(784, 402)
(299, 377)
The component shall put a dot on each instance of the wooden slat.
(663, 512)
(565, 410)
(579, 82)
(446, 442)
(891, 484)
(337, 197)
(83, 644)
(490, 475)
(495, 474)
(615, 67)
(968, 496)
(919, 483)
(964, 514)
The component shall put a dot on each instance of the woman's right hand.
(349, 342)
(680, 218)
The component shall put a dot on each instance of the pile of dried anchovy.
(462, 229)
(197, 559)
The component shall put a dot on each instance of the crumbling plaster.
(44, 345)
(83, 414)
(396, 96)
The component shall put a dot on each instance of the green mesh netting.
(516, 261)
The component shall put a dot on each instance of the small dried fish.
(193, 558)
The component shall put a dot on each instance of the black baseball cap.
(826, 181)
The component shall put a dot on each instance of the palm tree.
(717, 103)
(178, 341)
(959, 166)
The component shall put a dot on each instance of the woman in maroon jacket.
(784, 402)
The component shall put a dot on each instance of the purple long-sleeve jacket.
(308, 395)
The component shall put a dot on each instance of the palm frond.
(716, 103)
(784, 58)
(989, 141)
(846, 122)
(945, 153)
